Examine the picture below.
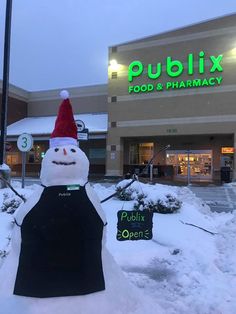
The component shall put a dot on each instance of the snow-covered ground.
(184, 269)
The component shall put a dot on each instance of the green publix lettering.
(125, 216)
(175, 68)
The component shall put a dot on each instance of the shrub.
(10, 203)
(167, 205)
(124, 195)
(140, 201)
(158, 200)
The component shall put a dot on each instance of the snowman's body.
(61, 245)
(58, 262)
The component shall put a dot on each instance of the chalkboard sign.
(134, 225)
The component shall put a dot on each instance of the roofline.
(55, 115)
(51, 94)
(16, 92)
(172, 30)
(46, 136)
(74, 92)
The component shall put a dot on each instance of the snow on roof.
(96, 123)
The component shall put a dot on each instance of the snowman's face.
(64, 165)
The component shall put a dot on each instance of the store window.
(13, 158)
(140, 153)
(97, 153)
(36, 154)
(199, 161)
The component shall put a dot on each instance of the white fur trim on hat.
(64, 94)
(62, 141)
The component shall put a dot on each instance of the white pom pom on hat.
(64, 94)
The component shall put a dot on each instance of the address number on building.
(25, 142)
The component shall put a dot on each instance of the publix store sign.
(206, 73)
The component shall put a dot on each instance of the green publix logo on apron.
(206, 72)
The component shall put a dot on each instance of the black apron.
(61, 246)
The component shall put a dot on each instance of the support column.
(114, 161)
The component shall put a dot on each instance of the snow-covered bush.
(160, 200)
(130, 193)
(139, 203)
(10, 203)
(124, 195)
(167, 205)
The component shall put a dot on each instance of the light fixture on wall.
(114, 66)
(233, 52)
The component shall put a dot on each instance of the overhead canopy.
(95, 123)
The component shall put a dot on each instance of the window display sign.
(206, 71)
(227, 150)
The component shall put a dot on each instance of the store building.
(177, 88)
(89, 105)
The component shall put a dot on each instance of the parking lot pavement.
(219, 198)
(28, 181)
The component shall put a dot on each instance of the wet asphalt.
(219, 198)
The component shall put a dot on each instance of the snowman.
(58, 261)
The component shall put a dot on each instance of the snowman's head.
(64, 165)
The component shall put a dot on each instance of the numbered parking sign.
(25, 142)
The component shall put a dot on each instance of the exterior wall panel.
(174, 113)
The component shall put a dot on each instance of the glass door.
(140, 153)
(200, 163)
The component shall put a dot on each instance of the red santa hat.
(65, 130)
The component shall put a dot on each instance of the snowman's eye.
(56, 149)
(73, 150)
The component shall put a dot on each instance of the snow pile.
(184, 268)
(190, 264)
(4, 167)
(156, 191)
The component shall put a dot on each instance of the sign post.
(151, 172)
(24, 143)
(188, 169)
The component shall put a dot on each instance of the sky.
(183, 269)
(59, 44)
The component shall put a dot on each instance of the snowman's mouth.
(63, 163)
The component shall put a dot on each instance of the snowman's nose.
(64, 151)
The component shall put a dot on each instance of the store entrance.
(140, 153)
(199, 161)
